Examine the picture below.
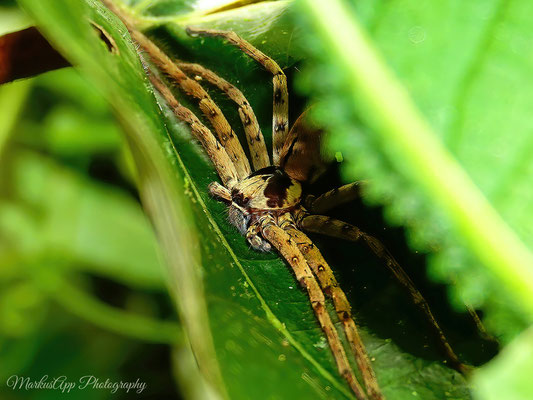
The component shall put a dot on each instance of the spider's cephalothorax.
(268, 191)
(267, 205)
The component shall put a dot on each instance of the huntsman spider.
(266, 200)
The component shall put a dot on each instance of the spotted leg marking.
(220, 159)
(254, 136)
(339, 229)
(330, 286)
(290, 252)
(280, 120)
(191, 88)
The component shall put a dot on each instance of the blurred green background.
(81, 286)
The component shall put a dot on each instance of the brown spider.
(267, 205)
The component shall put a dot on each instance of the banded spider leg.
(280, 112)
(321, 224)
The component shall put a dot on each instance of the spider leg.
(350, 192)
(479, 324)
(191, 88)
(330, 286)
(339, 229)
(256, 142)
(253, 235)
(220, 159)
(333, 198)
(219, 192)
(290, 252)
(280, 121)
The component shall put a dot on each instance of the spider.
(266, 200)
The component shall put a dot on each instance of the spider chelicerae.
(265, 200)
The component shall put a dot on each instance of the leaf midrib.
(271, 317)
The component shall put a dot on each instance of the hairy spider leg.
(219, 192)
(333, 198)
(290, 252)
(342, 230)
(479, 324)
(254, 136)
(220, 159)
(330, 286)
(350, 192)
(191, 88)
(280, 119)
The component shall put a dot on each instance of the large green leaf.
(470, 202)
(449, 156)
(509, 375)
(251, 327)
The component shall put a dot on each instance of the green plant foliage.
(63, 233)
(12, 19)
(251, 328)
(472, 124)
(509, 375)
(460, 183)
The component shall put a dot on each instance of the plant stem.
(425, 161)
